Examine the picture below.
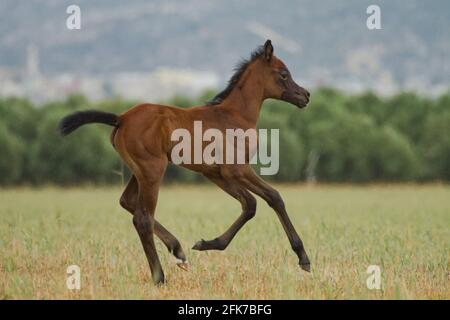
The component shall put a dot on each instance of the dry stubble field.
(402, 228)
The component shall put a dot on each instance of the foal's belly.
(206, 169)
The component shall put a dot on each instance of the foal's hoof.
(306, 267)
(304, 261)
(159, 281)
(200, 245)
(183, 264)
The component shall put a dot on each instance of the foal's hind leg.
(128, 201)
(148, 173)
(248, 203)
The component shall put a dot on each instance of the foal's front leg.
(258, 186)
(248, 203)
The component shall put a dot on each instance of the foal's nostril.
(307, 93)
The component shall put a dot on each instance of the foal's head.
(278, 82)
(271, 74)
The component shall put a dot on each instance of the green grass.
(403, 229)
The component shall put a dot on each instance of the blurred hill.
(323, 43)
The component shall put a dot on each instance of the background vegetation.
(338, 138)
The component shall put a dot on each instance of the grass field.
(403, 229)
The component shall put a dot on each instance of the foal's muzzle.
(298, 97)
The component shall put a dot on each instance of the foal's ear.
(268, 50)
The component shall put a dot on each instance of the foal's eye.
(283, 75)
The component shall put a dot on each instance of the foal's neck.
(246, 99)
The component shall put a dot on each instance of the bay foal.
(142, 137)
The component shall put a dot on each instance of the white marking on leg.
(180, 261)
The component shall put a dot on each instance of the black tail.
(77, 119)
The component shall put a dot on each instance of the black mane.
(238, 71)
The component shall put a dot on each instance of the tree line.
(338, 138)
